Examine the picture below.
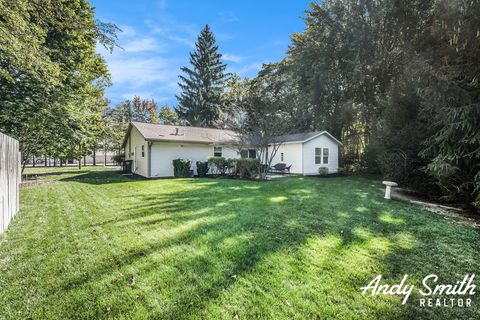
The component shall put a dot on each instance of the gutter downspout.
(149, 159)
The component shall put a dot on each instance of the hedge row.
(244, 167)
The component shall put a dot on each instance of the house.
(307, 152)
(153, 147)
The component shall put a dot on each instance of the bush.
(230, 166)
(202, 168)
(119, 158)
(323, 171)
(181, 168)
(218, 164)
(391, 166)
(248, 168)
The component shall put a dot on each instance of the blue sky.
(158, 36)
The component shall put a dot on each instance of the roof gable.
(304, 137)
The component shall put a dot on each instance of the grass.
(92, 244)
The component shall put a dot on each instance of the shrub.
(248, 168)
(230, 166)
(202, 168)
(391, 166)
(181, 168)
(218, 164)
(323, 171)
(119, 158)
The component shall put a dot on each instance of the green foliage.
(265, 113)
(119, 158)
(218, 164)
(230, 166)
(323, 171)
(181, 168)
(51, 77)
(200, 102)
(144, 110)
(367, 72)
(248, 168)
(222, 166)
(167, 115)
(202, 168)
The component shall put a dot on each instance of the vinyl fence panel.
(10, 176)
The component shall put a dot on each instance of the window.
(281, 156)
(143, 151)
(318, 155)
(217, 151)
(250, 153)
(325, 155)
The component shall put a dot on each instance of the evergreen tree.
(200, 102)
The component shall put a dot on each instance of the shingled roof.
(162, 132)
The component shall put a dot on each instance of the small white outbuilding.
(307, 152)
(153, 147)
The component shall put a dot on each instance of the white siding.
(133, 151)
(292, 155)
(323, 141)
(163, 153)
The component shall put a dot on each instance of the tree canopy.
(398, 83)
(51, 78)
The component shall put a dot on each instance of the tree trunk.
(84, 160)
(33, 161)
(45, 161)
(80, 158)
(104, 155)
(94, 156)
(54, 161)
(24, 161)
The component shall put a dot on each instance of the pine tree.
(200, 102)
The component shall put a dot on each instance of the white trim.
(324, 132)
(313, 137)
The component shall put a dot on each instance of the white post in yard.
(388, 189)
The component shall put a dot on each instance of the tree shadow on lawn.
(212, 236)
(96, 177)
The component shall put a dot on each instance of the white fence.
(10, 176)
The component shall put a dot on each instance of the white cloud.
(232, 58)
(249, 70)
(174, 30)
(142, 45)
(127, 31)
(137, 72)
(182, 40)
(142, 94)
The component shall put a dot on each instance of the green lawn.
(93, 244)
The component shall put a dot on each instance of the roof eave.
(190, 141)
